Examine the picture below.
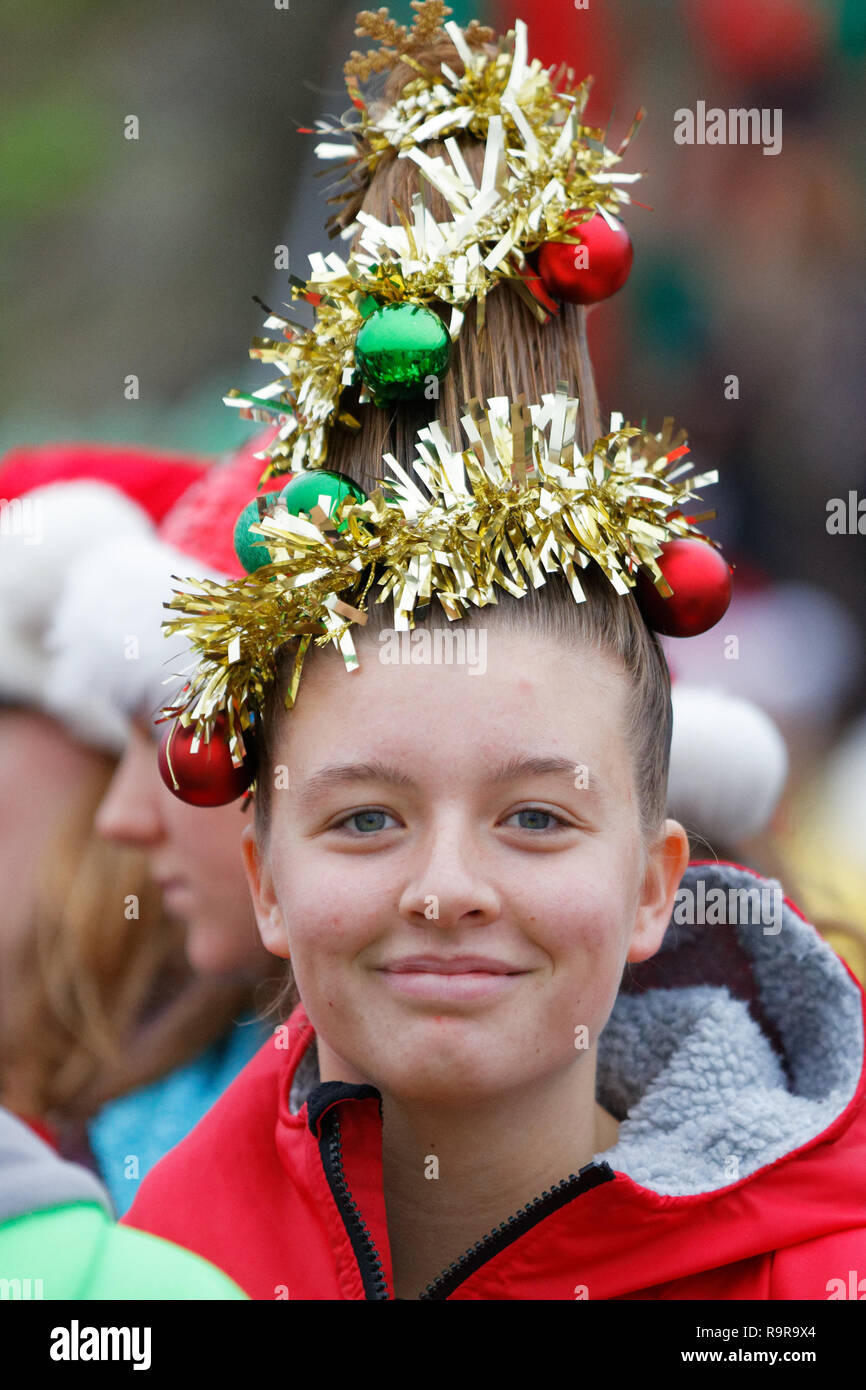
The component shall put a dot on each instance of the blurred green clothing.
(58, 1239)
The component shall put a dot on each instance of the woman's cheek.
(325, 940)
(573, 921)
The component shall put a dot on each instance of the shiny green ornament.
(308, 485)
(398, 349)
(250, 549)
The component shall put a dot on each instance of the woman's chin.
(441, 1067)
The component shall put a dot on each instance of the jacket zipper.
(589, 1176)
(369, 1261)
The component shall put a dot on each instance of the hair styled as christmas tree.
(514, 202)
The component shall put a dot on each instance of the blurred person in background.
(101, 1002)
(115, 595)
(53, 502)
(108, 1040)
(825, 839)
(801, 818)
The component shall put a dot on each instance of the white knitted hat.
(107, 633)
(42, 535)
(729, 765)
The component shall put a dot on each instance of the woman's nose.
(450, 881)
(129, 811)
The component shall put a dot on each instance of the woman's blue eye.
(370, 820)
(534, 811)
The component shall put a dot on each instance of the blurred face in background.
(42, 768)
(194, 856)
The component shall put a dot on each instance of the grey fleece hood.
(738, 1042)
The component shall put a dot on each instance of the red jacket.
(734, 1061)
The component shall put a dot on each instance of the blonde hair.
(104, 1000)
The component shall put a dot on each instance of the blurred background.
(141, 256)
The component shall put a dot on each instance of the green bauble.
(398, 348)
(308, 485)
(251, 550)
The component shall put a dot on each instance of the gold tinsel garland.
(518, 502)
(541, 167)
(400, 44)
(440, 103)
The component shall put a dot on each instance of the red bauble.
(701, 580)
(207, 777)
(592, 271)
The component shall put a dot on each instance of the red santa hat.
(115, 595)
(58, 501)
(153, 479)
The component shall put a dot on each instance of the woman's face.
(43, 770)
(456, 865)
(194, 857)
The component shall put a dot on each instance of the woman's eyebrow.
(340, 774)
(518, 765)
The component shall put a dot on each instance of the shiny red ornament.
(591, 271)
(207, 777)
(701, 581)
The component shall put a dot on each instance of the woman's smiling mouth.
(459, 978)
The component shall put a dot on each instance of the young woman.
(101, 1001)
(526, 1062)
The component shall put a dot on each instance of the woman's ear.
(269, 915)
(666, 863)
